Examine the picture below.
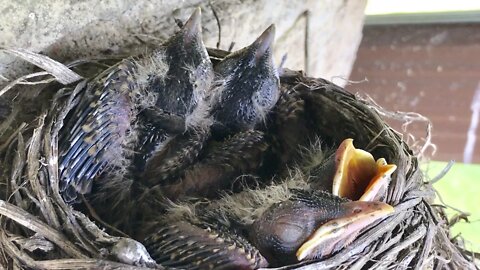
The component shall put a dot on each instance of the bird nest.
(40, 231)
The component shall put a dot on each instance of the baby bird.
(246, 88)
(127, 112)
(178, 125)
(251, 85)
(278, 225)
(249, 88)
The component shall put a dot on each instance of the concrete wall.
(71, 29)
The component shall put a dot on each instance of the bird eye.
(288, 233)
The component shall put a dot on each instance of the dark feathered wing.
(95, 133)
(242, 154)
(186, 245)
(168, 162)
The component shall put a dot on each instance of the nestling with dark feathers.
(153, 132)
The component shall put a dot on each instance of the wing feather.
(98, 127)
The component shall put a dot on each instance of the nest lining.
(38, 230)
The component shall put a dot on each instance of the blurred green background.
(460, 189)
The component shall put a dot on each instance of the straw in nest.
(40, 231)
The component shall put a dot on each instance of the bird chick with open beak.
(278, 225)
(349, 172)
(316, 224)
(125, 114)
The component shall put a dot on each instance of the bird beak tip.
(389, 209)
(193, 24)
(300, 255)
(265, 41)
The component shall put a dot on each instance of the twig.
(61, 73)
(12, 136)
(442, 174)
(449, 206)
(427, 245)
(407, 118)
(16, 174)
(31, 222)
(219, 24)
(33, 157)
(94, 214)
(6, 125)
(306, 42)
(15, 253)
(21, 79)
(88, 264)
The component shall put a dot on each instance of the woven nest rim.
(34, 216)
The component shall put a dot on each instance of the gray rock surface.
(71, 29)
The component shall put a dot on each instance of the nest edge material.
(40, 231)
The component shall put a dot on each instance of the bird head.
(189, 72)
(311, 225)
(251, 84)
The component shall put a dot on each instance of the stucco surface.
(72, 29)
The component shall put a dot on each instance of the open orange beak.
(358, 176)
(361, 179)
